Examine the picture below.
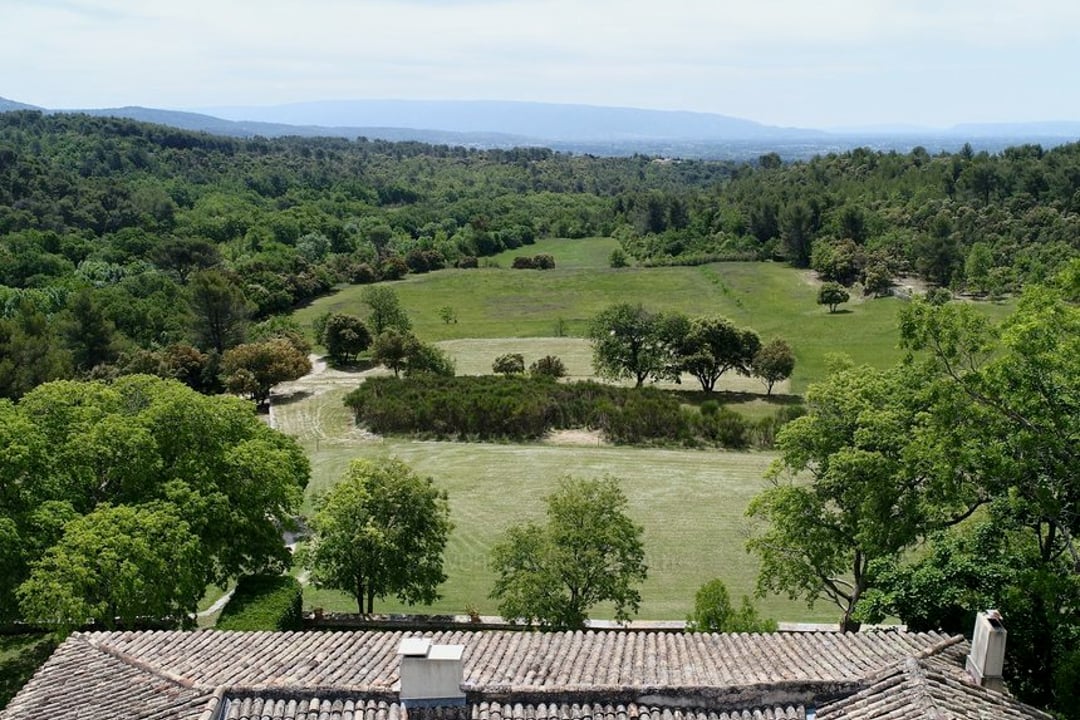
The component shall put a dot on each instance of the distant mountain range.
(574, 128)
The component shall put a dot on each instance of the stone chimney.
(987, 656)
(430, 674)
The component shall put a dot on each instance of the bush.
(724, 427)
(713, 612)
(264, 602)
(536, 262)
(548, 366)
(509, 364)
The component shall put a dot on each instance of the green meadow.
(691, 502)
(773, 299)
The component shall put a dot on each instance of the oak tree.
(381, 531)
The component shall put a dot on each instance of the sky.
(804, 63)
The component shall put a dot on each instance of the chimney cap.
(414, 646)
(446, 652)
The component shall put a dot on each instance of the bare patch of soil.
(580, 438)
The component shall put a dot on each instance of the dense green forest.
(133, 247)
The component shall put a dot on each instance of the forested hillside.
(133, 247)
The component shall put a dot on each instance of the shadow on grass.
(289, 398)
(730, 397)
(357, 366)
(20, 656)
(839, 311)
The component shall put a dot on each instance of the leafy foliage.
(345, 337)
(713, 612)
(509, 364)
(253, 369)
(386, 311)
(628, 342)
(773, 363)
(199, 477)
(264, 602)
(548, 366)
(588, 552)
(381, 531)
(526, 408)
(832, 294)
(712, 346)
(117, 564)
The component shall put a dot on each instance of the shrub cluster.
(519, 407)
(264, 602)
(536, 262)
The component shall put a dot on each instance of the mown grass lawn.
(691, 502)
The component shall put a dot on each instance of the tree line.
(119, 238)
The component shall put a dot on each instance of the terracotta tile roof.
(357, 708)
(521, 661)
(916, 690)
(594, 675)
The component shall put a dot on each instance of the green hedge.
(515, 408)
(264, 602)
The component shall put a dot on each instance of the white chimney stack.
(987, 657)
(431, 675)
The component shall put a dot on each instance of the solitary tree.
(392, 348)
(381, 531)
(345, 337)
(386, 310)
(832, 294)
(773, 363)
(590, 551)
(448, 315)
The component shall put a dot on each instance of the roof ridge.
(938, 647)
(142, 665)
(917, 681)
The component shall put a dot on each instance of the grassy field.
(774, 299)
(691, 502)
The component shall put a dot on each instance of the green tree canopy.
(773, 363)
(381, 531)
(386, 311)
(628, 342)
(832, 294)
(71, 447)
(713, 612)
(714, 345)
(864, 500)
(345, 337)
(588, 552)
(252, 369)
(509, 364)
(124, 563)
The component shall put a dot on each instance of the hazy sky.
(810, 63)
